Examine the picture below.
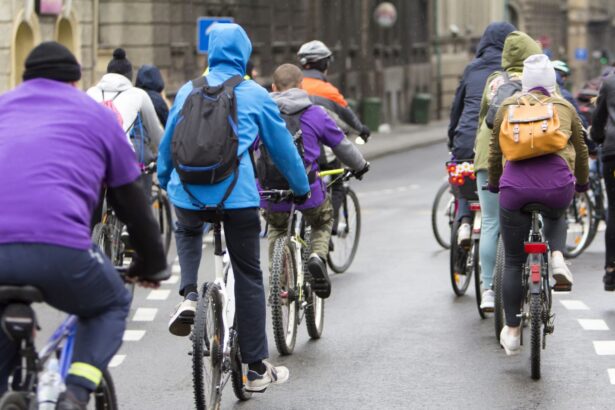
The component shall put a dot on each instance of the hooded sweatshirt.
(466, 104)
(131, 101)
(257, 114)
(517, 47)
(150, 80)
(316, 128)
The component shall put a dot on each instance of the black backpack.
(268, 175)
(505, 90)
(205, 141)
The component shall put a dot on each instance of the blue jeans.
(242, 229)
(490, 229)
(79, 282)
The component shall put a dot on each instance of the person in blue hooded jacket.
(150, 80)
(257, 114)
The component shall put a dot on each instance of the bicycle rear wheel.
(498, 277)
(477, 278)
(283, 295)
(536, 322)
(104, 396)
(580, 220)
(15, 400)
(315, 309)
(162, 211)
(346, 241)
(239, 372)
(460, 275)
(207, 336)
(442, 214)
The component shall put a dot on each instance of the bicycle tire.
(315, 308)
(536, 321)
(284, 310)
(104, 396)
(460, 277)
(206, 350)
(165, 219)
(580, 242)
(15, 400)
(435, 210)
(343, 265)
(239, 371)
(498, 278)
(477, 278)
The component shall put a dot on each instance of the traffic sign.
(581, 54)
(203, 26)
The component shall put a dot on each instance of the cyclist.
(47, 197)
(257, 113)
(546, 179)
(517, 47)
(317, 128)
(150, 80)
(462, 133)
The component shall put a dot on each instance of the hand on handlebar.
(365, 133)
(301, 199)
(359, 174)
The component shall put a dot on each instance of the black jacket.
(150, 80)
(603, 119)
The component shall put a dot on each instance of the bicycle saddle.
(542, 209)
(25, 294)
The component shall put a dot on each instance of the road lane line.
(171, 281)
(145, 315)
(133, 335)
(593, 324)
(159, 294)
(604, 347)
(574, 304)
(611, 375)
(176, 269)
(117, 360)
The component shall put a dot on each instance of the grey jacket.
(603, 119)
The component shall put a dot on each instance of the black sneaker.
(67, 401)
(321, 285)
(609, 281)
(183, 318)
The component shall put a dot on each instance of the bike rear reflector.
(474, 206)
(535, 272)
(535, 247)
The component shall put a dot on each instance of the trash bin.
(421, 108)
(371, 112)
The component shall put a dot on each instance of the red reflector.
(535, 247)
(535, 271)
(474, 206)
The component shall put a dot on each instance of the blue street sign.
(581, 54)
(203, 25)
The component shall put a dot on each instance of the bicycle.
(498, 277)
(345, 237)
(443, 214)
(289, 287)
(162, 209)
(581, 224)
(216, 356)
(40, 376)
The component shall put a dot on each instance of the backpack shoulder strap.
(231, 83)
(117, 95)
(199, 82)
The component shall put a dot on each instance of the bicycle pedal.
(562, 288)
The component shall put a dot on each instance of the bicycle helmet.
(313, 51)
(561, 66)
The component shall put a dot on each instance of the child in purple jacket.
(317, 128)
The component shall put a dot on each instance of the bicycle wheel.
(477, 278)
(104, 396)
(579, 218)
(460, 275)
(442, 214)
(15, 400)
(498, 277)
(239, 372)
(162, 211)
(283, 294)
(346, 241)
(536, 322)
(315, 308)
(207, 349)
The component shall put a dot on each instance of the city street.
(395, 335)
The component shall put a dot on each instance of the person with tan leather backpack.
(540, 136)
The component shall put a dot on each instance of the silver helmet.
(313, 51)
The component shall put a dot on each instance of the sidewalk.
(404, 138)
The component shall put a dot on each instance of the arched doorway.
(23, 43)
(65, 34)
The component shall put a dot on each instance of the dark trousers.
(241, 229)
(608, 172)
(83, 283)
(515, 228)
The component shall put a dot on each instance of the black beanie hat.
(119, 64)
(53, 61)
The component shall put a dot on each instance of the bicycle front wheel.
(207, 336)
(442, 214)
(536, 321)
(346, 241)
(498, 278)
(580, 219)
(104, 396)
(283, 294)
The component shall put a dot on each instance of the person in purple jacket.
(317, 128)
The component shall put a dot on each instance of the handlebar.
(341, 173)
(277, 195)
(150, 168)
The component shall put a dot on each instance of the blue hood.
(229, 49)
(149, 78)
(494, 36)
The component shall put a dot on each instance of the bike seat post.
(218, 239)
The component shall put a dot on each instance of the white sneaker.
(183, 318)
(258, 383)
(487, 303)
(510, 343)
(561, 274)
(464, 234)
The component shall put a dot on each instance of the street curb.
(404, 147)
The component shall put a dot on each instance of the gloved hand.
(359, 174)
(365, 133)
(493, 189)
(300, 199)
(581, 188)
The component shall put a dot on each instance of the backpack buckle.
(516, 132)
(544, 126)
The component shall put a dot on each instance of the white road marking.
(176, 270)
(133, 335)
(145, 315)
(574, 304)
(593, 324)
(159, 294)
(171, 281)
(604, 347)
(117, 360)
(611, 375)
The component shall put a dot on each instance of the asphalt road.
(395, 335)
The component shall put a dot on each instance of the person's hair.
(287, 76)
(320, 65)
